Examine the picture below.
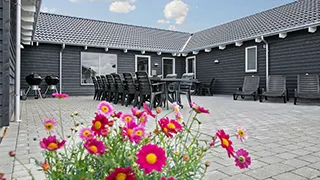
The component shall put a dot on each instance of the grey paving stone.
(215, 175)
(315, 165)
(296, 163)
(287, 155)
(269, 171)
(289, 176)
(307, 172)
(239, 177)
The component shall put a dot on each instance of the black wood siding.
(44, 59)
(230, 71)
(1, 64)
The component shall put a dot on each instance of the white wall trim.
(173, 65)
(194, 65)
(149, 63)
(246, 59)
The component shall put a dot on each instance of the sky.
(181, 15)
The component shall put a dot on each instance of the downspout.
(18, 61)
(60, 67)
(267, 62)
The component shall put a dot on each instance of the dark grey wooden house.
(283, 40)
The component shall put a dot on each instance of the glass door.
(191, 65)
(168, 66)
(143, 63)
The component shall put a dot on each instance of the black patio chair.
(277, 88)
(250, 87)
(131, 92)
(148, 91)
(172, 87)
(96, 88)
(307, 87)
(112, 87)
(105, 87)
(99, 81)
(185, 87)
(120, 89)
(207, 87)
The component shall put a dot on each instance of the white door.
(191, 65)
(168, 66)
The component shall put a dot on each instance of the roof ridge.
(102, 21)
(244, 17)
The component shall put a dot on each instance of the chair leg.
(152, 100)
(123, 98)
(295, 101)
(235, 97)
(260, 98)
(95, 95)
(189, 98)
(284, 99)
(116, 98)
(142, 98)
(254, 97)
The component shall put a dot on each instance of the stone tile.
(307, 172)
(315, 166)
(287, 176)
(215, 175)
(296, 163)
(310, 158)
(269, 171)
(271, 159)
(239, 177)
(287, 155)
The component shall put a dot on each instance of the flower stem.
(29, 172)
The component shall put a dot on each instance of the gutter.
(267, 62)
(18, 61)
(60, 67)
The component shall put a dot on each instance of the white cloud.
(48, 10)
(74, 1)
(172, 28)
(177, 10)
(121, 7)
(163, 21)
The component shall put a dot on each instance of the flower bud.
(185, 157)
(12, 153)
(76, 123)
(1, 175)
(134, 164)
(76, 113)
(104, 132)
(199, 153)
(71, 115)
(156, 131)
(176, 153)
(115, 118)
(91, 170)
(207, 163)
(45, 166)
(158, 110)
(68, 136)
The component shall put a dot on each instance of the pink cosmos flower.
(151, 157)
(136, 112)
(179, 116)
(99, 123)
(170, 178)
(143, 119)
(128, 130)
(104, 132)
(85, 133)
(121, 173)
(213, 142)
(242, 159)
(242, 133)
(148, 110)
(116, 114)
(176, 107)
(138, 134)
(45, 166)
(105, 108)
(52, 143)
(95, 146)
(59, 96)
(198, 109)
(126, 118)
(170, 127)
(12, 153)
(49, 124)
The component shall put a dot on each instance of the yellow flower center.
(137, 113)
(129, 131)
(242, 159)
(97, 125)
(225, 142)
(86, 133)
(49, 126)
(105, 109)
(165, 130)
(127, 119)
(46, 167)
(176, 109)
(94, 149)
(171, 126)
(121, 176)
(143, 118)
(52, 146)
(240, 133)
(151, 158)
(139, 133)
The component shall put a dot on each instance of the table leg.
(167, 95)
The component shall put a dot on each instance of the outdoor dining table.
(167, 81)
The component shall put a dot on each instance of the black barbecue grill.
(52, 82)
(33, 80)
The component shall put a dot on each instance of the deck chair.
(185, 87)
(120, 89)
(250, 87)
(105, 87)
(130, 88)
(277, 88)
(207, 87)
(112, 87)
(97, 90)
(172, 87)
(307, 87)
(99, 82)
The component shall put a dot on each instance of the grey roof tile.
(288, 16)
(73, 30)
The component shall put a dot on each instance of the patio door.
(191, 65)
(143, 63)
(168, 66)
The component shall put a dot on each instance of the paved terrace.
(284, 139)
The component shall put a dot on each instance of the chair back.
(118, 82)
(95, 83)
(159, 76)
(186, 85)
(308, 83)
(104, 82)
(129, 82)
(144, 84)
(111, 83)
(171, 76)
(99, 82)
(277, 83)
(251, 83)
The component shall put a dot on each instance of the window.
(96, 64)
(168, 66)
(191, 65)
(251, 59)
(143, 63)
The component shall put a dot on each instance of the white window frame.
(173, 64)
(194, 65)
(90, 84)
(149, 63)
(246, 59)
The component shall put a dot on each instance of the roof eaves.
(297, 28)
(185, 45)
